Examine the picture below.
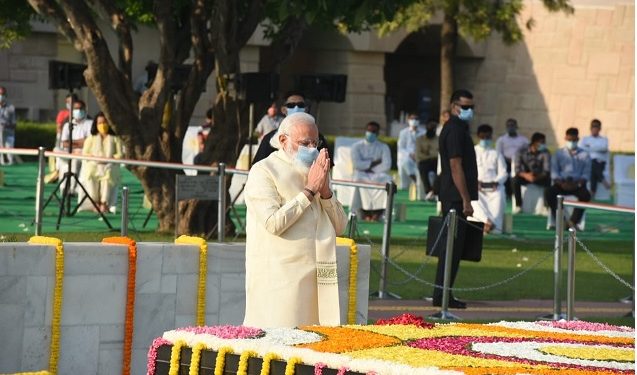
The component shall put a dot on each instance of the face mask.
(370, 137)
(571, 145)
(512, 132)
(541, 147)
(466, 114)
(485, 143)
(412, 122)
(68, 106)
(78, 114)
(2, 98)
(307, 155)
(102, 128)
(296, 109)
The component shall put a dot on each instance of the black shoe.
(453, 303)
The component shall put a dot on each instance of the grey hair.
(288, 123)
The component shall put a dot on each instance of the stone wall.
(568, 70)
(94, 300)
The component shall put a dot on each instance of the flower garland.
(243, 361)
(57, 297)
(175, 355)
(129, 319)
(341, 340)
(292, 362)
(203, 267)
(152, 354)
(318, 368)
(225, 332)
(195, 358)
(220, 363)
(267, 360)
(353, 277)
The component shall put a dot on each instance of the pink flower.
(405, 319)
(226, 332)
(578, 325)
(152, 354)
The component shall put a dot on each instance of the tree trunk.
(448, 39)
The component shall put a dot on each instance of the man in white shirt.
(492, 175)
(270, 121)
(372, 162)
(597, 147)
(508, 145)
(74, 140)
(407, 166)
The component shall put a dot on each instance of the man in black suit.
(294, 102)
(458, 180)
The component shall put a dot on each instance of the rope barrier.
(603, 266)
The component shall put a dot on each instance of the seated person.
(270, 121)
(427, 157)
(372, 160)
(492, 175)
(532, 166)
(570, 170)
(597, 147)
(101, 178)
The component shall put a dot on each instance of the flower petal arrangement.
(409, 345)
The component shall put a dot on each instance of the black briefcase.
(471, 248)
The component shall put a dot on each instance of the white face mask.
(412, 122)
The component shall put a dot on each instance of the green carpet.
(17, 211)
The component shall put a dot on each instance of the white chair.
(238, 180)
(344, 170)
(624, 178)
(190, 148)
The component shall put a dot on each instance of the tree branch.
(51, 10)
(285, 42)
(122, 28)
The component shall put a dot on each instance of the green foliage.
(35, 134)
(15, 17)
(476, 18)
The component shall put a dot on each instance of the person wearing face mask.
(570, 170)
(407, 166)
(458, 181)
(427, 157)
(7, 126)
(372, 162)
(508, 145)
(101, 179)
(294, 103)
(292, 223)
(492, 174)
(532, 166)
(73, 141)
(270, 121)
(60, 119)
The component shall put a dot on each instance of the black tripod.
(69, 176)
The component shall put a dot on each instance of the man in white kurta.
(492, 175)
(292, 223)
(407, 166)
(372, 161)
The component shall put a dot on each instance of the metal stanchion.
(570, 285)
(221, 212)
(557, 262)
(39, 194)
(124, 226)
(391, 190)
(451, 236)
(352, 225)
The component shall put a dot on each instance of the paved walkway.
(493, 310)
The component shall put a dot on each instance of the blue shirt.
(576, 166)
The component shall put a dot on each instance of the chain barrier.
(603, 266)
(414, 275)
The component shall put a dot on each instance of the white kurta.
(290, 249)
(491, 204)
(101, 179)
(406, 147)
(363, 154)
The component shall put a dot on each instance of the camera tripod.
(66, 181)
